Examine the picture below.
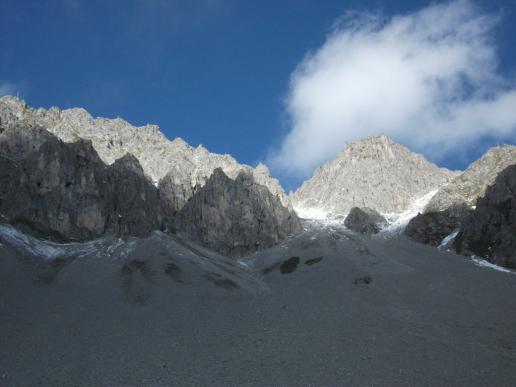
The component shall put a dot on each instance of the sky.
(286, 82)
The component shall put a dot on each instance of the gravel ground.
(326, 308)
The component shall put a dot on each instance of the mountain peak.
(372, 172)
(380, 138)
(376, 147)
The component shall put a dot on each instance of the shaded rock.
(57, 187)
(364, 220)
(63, 191)
(489, 231)
(235, 217)
(447, 209)
(135, 208)
(174, 192)
(432, 227)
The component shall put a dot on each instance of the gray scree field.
(327, 307)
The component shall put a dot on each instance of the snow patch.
(448, 239)
(483, 263)
(50, 250)
(311, 213)
(398, 221)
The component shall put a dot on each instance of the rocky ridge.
(112, 138)
(64, 192)
(447, 209)
(374, 172)
(489, 231)
(470, 185)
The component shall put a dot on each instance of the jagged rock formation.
(65, 192)
(489, 231)
(467, 187)
(364, 220)
(433, 227)
(160, 158)
(374, 172)
(235, 217)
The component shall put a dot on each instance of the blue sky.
(215, 72)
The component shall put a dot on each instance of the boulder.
(364, 220)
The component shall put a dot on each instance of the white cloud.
(8, 88)
(428, 79)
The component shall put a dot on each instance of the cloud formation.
(428, 79)
(8, 88)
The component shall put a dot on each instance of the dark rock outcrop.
(173, 195)
(489, 231)
(364, 220)
(135, 199)
(432, 227)
(235, 217)
(63, 191)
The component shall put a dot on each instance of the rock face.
(375, 173)
(467, 187)
(235, 217)
(65, 192)
(447, 209)
(364, 220)
(432, 227)
(489, 231)
(136, 204)
(113, 138)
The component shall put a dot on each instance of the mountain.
(64, 192)
(235, 217)
(113, 138)
(374, 172)
(489, 231)
(446, 210)
(467, 187)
